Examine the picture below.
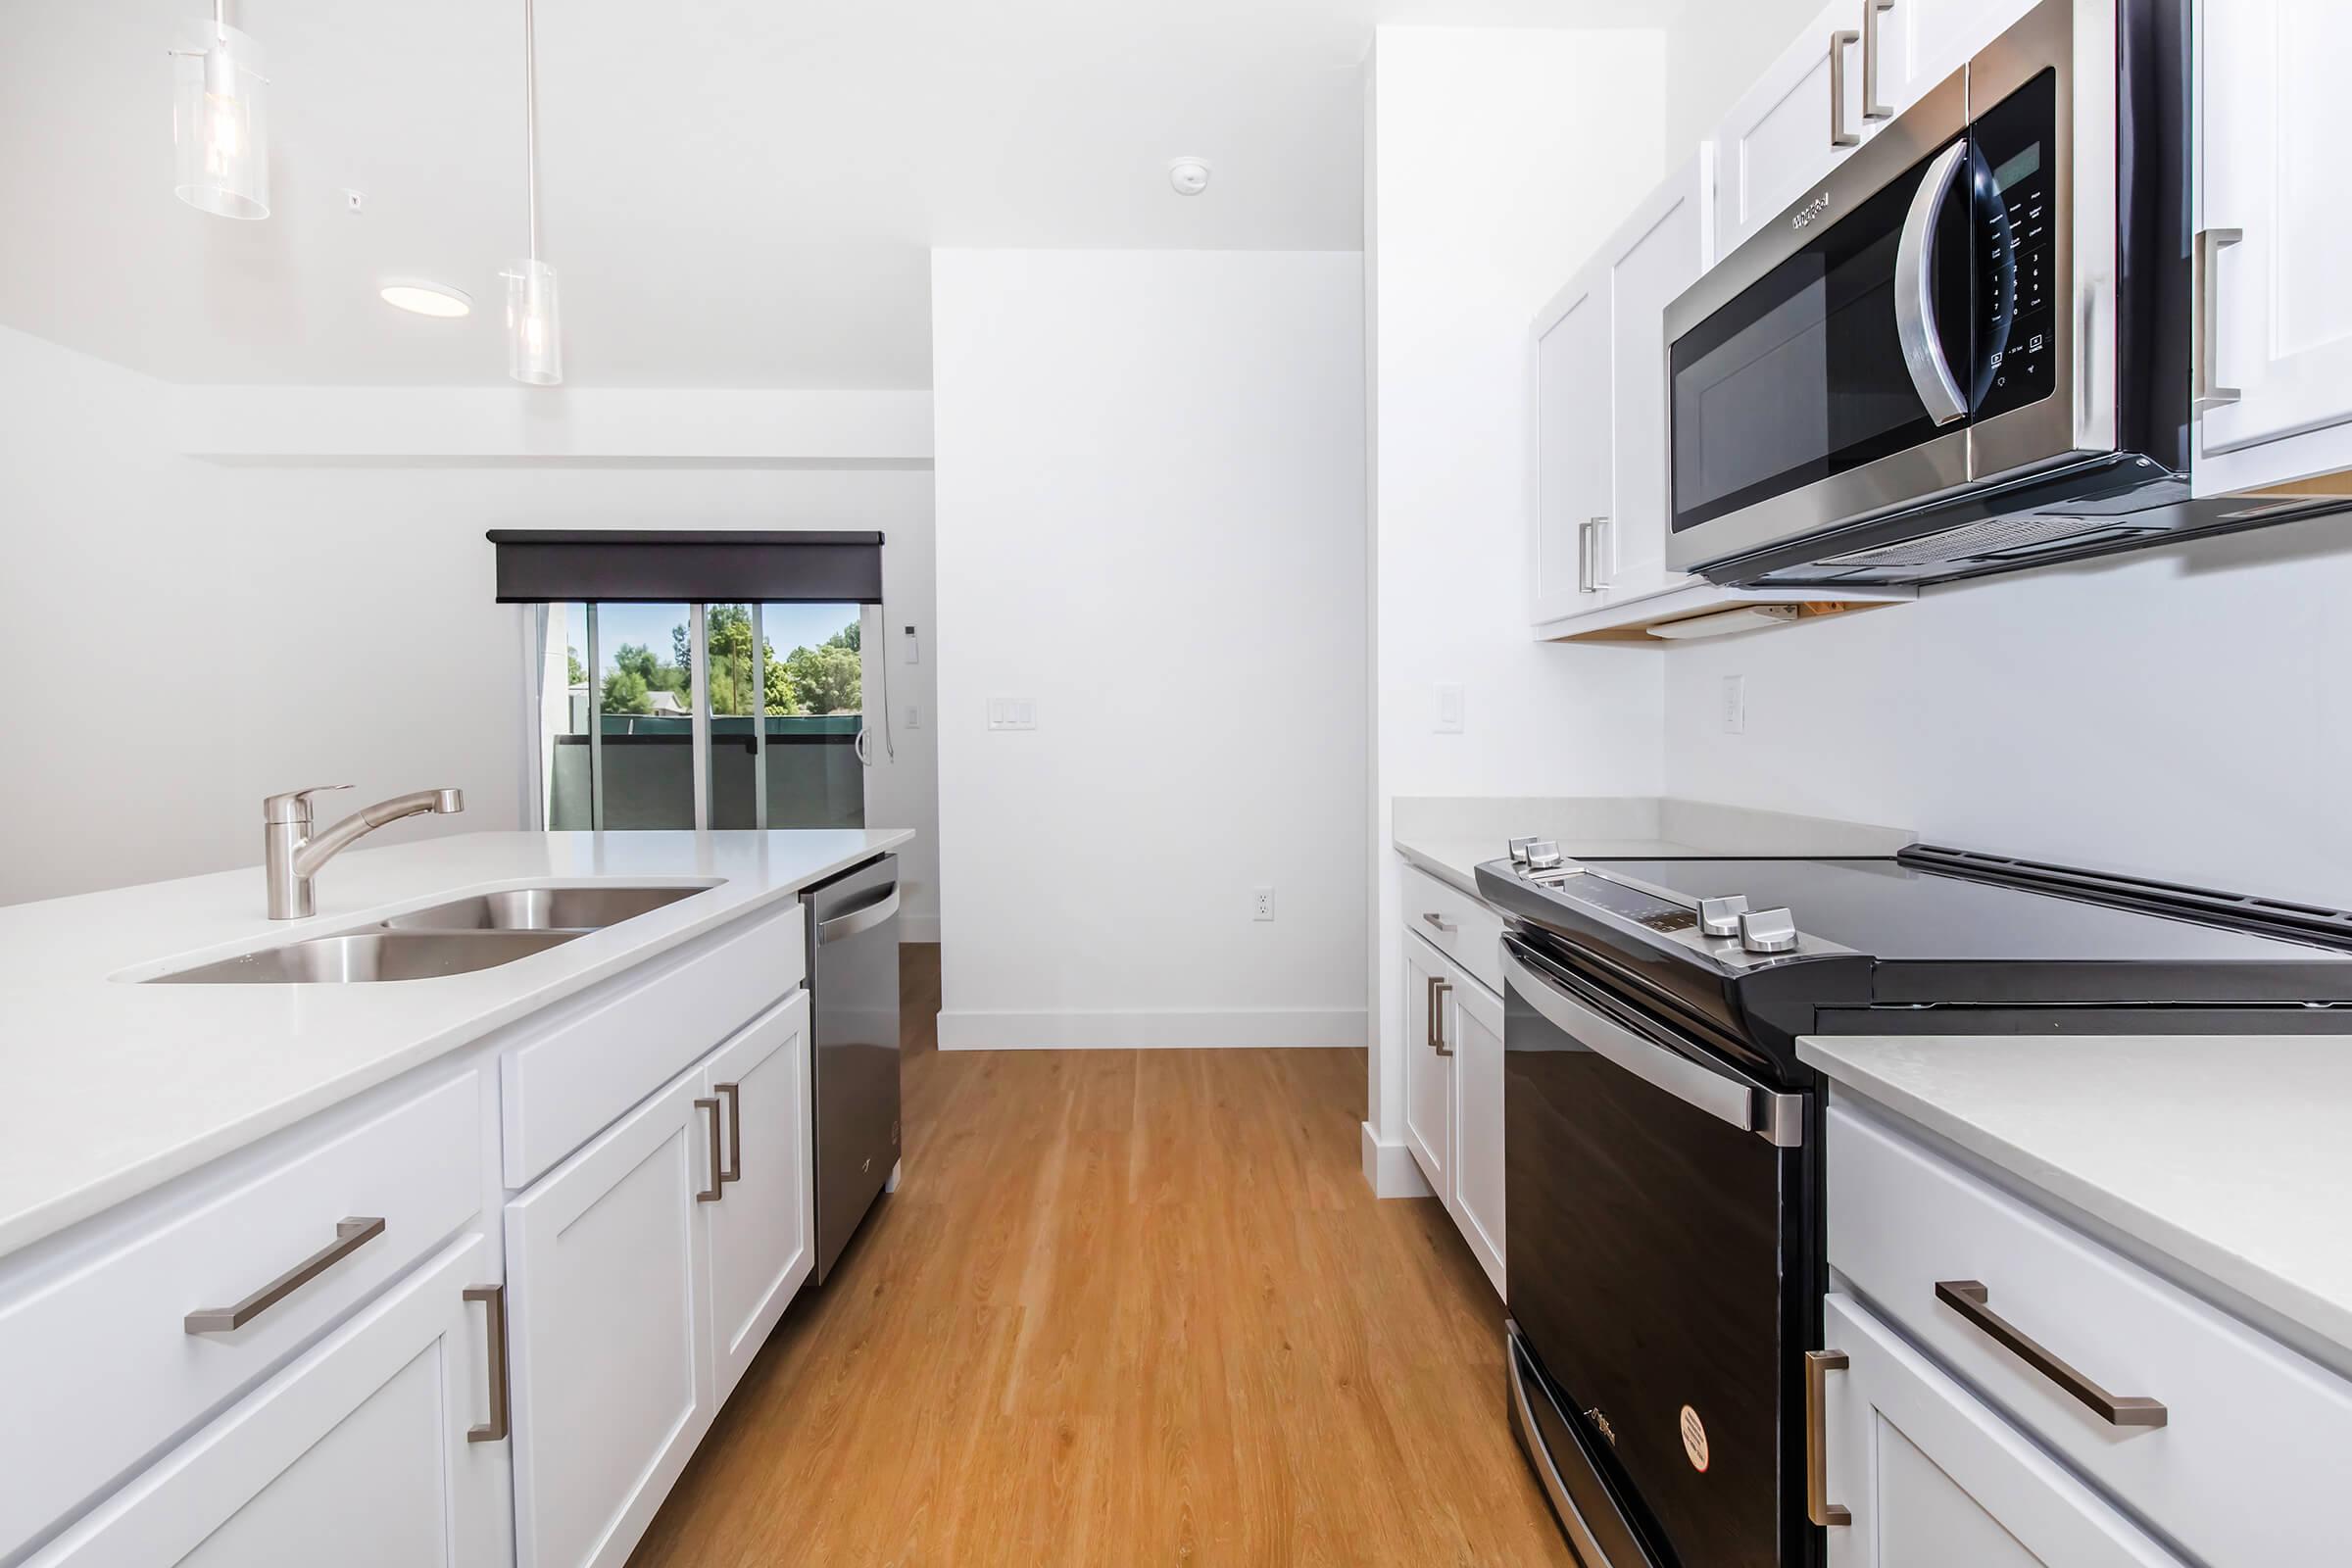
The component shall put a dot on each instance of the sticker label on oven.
(1694, 1440)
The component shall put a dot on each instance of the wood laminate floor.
(1125, 1307)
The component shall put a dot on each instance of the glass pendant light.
(220, 125)
(534, 352)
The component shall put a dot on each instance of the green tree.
(580, 671)
(826, 678)
(625, 692)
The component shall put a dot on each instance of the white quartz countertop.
(2224, 1158)
(1455, 860)
(109, 1087)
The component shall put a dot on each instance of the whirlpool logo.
(1813, 209)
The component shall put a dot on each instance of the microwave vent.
(1994, 539)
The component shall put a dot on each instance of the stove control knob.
(1720, 917)
(1768, 931)
(1519, 850)
(1543, 855)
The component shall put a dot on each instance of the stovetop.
(1760, 950)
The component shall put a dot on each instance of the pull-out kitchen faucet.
(294, 856)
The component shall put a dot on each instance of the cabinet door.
(1473, 1023)
(762, 1231)
(2277, 120)
(1776, 141)
(1573, 419)
(1920, 42)
(1428, 1074)
(606, 1262)
(1657, 255)
(357, 1453)
(1933, 1479)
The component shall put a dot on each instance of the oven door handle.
(1914, 325)
(1776, 1118)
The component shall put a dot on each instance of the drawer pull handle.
(1437, 1017)
(1440, 922)
(494, 1301)
(1819, 1364)
(1968, 1298)
(718, 1176)
(350, 1236)
(733, 1095)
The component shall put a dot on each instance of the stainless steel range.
(1662, 1139)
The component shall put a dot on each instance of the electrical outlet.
(1261, 903)
(1449, 710)
(914, 717)
(1735, 705)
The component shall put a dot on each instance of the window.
(682, 716)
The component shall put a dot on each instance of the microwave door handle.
(1914, 325)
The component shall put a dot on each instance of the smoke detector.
(1190, 176)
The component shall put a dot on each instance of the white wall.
(1487, 193)
(2181, 715)
(1150, 522)
(193, 634)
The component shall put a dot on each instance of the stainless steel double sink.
(460, 937)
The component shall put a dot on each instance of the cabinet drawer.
(99, 1365)
(1457, 924)
(2248, 1464)
(581, 1074)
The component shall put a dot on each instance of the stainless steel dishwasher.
(853, 925)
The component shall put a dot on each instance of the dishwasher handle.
(864, 918)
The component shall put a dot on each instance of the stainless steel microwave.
(1969, 350)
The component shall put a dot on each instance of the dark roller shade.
(542, 565)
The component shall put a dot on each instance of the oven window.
(1801, 375)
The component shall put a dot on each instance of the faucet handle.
(294, 805)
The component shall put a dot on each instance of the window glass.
(563, 720)
(644, 689)
(816, 697)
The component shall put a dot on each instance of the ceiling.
(735, 195)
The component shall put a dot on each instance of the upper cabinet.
(2274, 245)
(1599, 531)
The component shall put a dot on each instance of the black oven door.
(1661, 1278)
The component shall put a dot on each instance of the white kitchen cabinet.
(1573, 431)
(1428, 1070)
(358, 1453)
(2275, 229)
(762, 1232)
(1473, 1027)
(1934, 1478)
(608, 1266)
(1777, 138)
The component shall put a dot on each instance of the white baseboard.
(1391, 1170)
(1172, 1029)
(917, 928)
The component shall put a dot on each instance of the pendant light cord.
(530, 120)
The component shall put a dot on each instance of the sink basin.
(368, 956)
(543, 910)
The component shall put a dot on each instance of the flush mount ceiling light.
(1190, 176)
(426, 299)
(218, 120)
(534, 355)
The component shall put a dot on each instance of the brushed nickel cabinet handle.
(1437, 1019)
(494, 1303)
(1968, 1298)
(1429, 1019)
(1840, 41)
(1872, 109)
(350, 1236)
(2206, 258)
(733, 1095)
(1819, 1364)
(1440, 922)
(718, 1176)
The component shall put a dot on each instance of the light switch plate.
(1449, 708)
(1012, 713)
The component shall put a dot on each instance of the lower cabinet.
(645, 1270)
(1453, 1094)
(377, 1447)
(1932, 1477)
(1428, 1070)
